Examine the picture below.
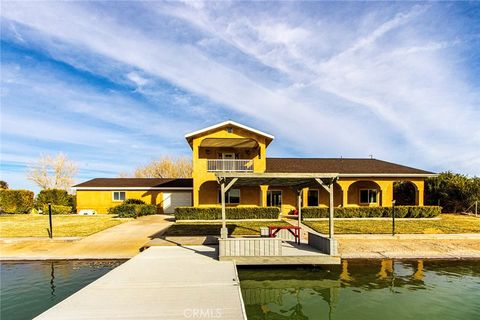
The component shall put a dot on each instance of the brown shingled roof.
(136, 183)
(338, 165)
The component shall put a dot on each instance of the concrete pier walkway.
(170, 282)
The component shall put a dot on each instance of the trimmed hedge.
(215, 213)
(133, 210)
(53, 196)
(58, 209)
(373, 212)
(133, 201)
(16, 201)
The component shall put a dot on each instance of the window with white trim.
(368, 196)
(118, 195)
(232, 196)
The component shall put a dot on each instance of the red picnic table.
(294, 230)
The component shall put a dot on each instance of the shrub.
(3, 184)
(215, 213)
(133, 201)
(146, 209)
(16, 201)
(373, 212)
(53, 196)
(133, 210)
(57, 209)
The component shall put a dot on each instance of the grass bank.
(33, 225)
(448, 223)
(213, 228)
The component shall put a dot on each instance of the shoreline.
(437, 258)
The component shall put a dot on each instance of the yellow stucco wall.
(351, 187)
(208, 195)
(102, 200)
(200, 174)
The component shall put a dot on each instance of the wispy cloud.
(394, 81)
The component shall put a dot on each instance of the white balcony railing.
(230, 165)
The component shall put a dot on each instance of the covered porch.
(273, 250)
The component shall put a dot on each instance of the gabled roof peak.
(226, 123)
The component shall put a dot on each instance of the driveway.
(120, 242)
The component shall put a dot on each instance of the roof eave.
(132, 188)
(388, 175)
(228, 122)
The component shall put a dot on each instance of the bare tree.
(53, 172)
(166, 167)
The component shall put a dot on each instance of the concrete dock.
(169, 282)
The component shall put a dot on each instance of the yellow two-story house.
(233, 154)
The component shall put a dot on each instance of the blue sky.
(115, 85)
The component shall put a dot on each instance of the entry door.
(171, 200)
(274, 198)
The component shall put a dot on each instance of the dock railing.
(250, 247)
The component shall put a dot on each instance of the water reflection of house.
(259, 294)
(280, 297)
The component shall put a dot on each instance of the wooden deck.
(168, 282)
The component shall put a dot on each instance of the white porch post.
(223, 231)
(299, 205)
(223, 189)
(329, 189)
(330, 213)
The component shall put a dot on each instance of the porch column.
(263, 195)
(330, 212)
(329, 188)
(305, 197)
(224, 189)
(420, 193)
(386, 188)
(345, 185)
(224, 230)
(299, 206)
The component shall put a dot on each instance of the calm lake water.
(29, 288)
(365, 290)
(355, 290)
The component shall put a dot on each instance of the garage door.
(171, 200)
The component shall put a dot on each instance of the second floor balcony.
(230, 165)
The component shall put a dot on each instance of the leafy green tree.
(3, 185)
(454, 192)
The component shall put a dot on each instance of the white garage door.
(171, 200)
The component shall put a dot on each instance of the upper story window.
(118, 195)
(232, 196)
(313, 198)
(368, 196)
(229, 129)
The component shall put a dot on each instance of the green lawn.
(33, 225)
(448, 223)
(213, 228)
